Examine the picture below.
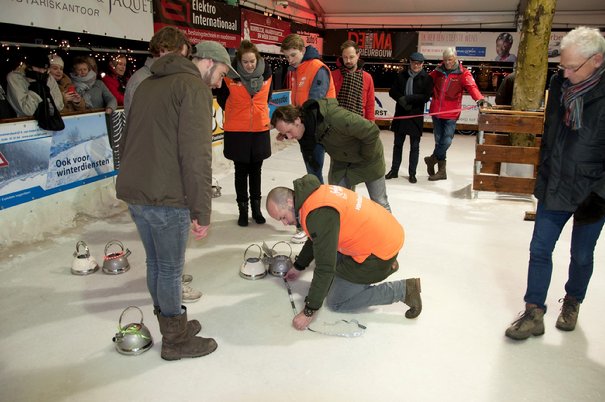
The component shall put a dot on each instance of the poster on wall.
(310, 34)
(385, 45)
(479, 46)
(200, 20)
(267, 33)
(40, 163)
(132, 19)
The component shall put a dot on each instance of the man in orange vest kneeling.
(355, 243)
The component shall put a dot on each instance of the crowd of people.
(165, 175)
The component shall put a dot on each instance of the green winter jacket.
(166, 150)
(352, 142)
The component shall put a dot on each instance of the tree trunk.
(532, 61)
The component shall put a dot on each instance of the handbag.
(47, 114)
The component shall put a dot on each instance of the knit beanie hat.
(56, 59)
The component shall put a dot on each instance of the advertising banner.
(267, 33)
(40, 163)
(479, 46)
(310, 34)
(200, 20)
(385, 45)
(128, 19)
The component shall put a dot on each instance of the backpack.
(46, 113)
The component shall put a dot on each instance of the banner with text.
(38, 163)
(128, 19)
(373, 45)
(479, 46)
(200, 20)
(267, 33)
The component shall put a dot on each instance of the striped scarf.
(572, 98)
(351, 91)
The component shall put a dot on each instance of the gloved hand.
(591, 210)
(484, 103)
(402, 102)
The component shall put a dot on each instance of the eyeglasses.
(574, 70)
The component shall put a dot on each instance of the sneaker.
(186, 279)
(190, 295)
(569, 314)
(530, 323)
(412, 297)
(299, 237)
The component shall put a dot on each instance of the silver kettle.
(280, 264)
(134, 338)
(253, 267)
(116, 263)
(83, 263)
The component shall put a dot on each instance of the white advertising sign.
(128, 19)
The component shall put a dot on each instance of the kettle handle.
(286, 243)
(260, 251)
(86, 251)
(125, 310)
(111, 243)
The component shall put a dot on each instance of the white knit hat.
(55, 59)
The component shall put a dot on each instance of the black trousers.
(398, 141)
(244, 173)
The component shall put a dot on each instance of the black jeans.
(398, 150)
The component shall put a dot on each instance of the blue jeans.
(319, 154)
(346, 295)
(377, 190)
(164, 232)
(547, 228)
(443, 129)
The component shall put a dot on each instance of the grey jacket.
(167, 146)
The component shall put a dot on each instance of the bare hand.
(292, 274)
(301, 321)
(280, 137)
(199, 231)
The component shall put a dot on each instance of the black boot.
(256, 214)
(243, 213)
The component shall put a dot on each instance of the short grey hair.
(449, 52)
(588, 41)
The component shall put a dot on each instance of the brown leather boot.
(412, 297)
(441, 173)
(177, 343)
(193, 326)
(430, 161)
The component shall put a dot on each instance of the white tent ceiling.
(443, 14)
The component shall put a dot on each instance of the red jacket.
(113, 84)
(367, 97)
(448, 88)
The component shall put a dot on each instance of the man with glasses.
(411, 90)
(570, 181)
(166, 179)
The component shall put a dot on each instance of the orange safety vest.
(244, 112)
(302, 78)
(365, 226)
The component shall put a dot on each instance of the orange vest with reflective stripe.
(244, 112)
(365, 226)
(302, 78)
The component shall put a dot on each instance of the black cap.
(417, 56)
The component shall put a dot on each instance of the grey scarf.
(252, 81)
(409, 85)
(83, 86)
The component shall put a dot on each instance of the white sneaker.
(299, 237)
(186, 279)
(190, 295)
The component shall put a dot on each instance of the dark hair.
(505, 37)
(247, 47)
(349, 43)
(287, 114)
(169, 39)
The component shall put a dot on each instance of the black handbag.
(47, 114)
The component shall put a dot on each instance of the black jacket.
(407, 105)
(572, 163)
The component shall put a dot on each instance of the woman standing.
(247, 143)
(93, 91)
(116, 79)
